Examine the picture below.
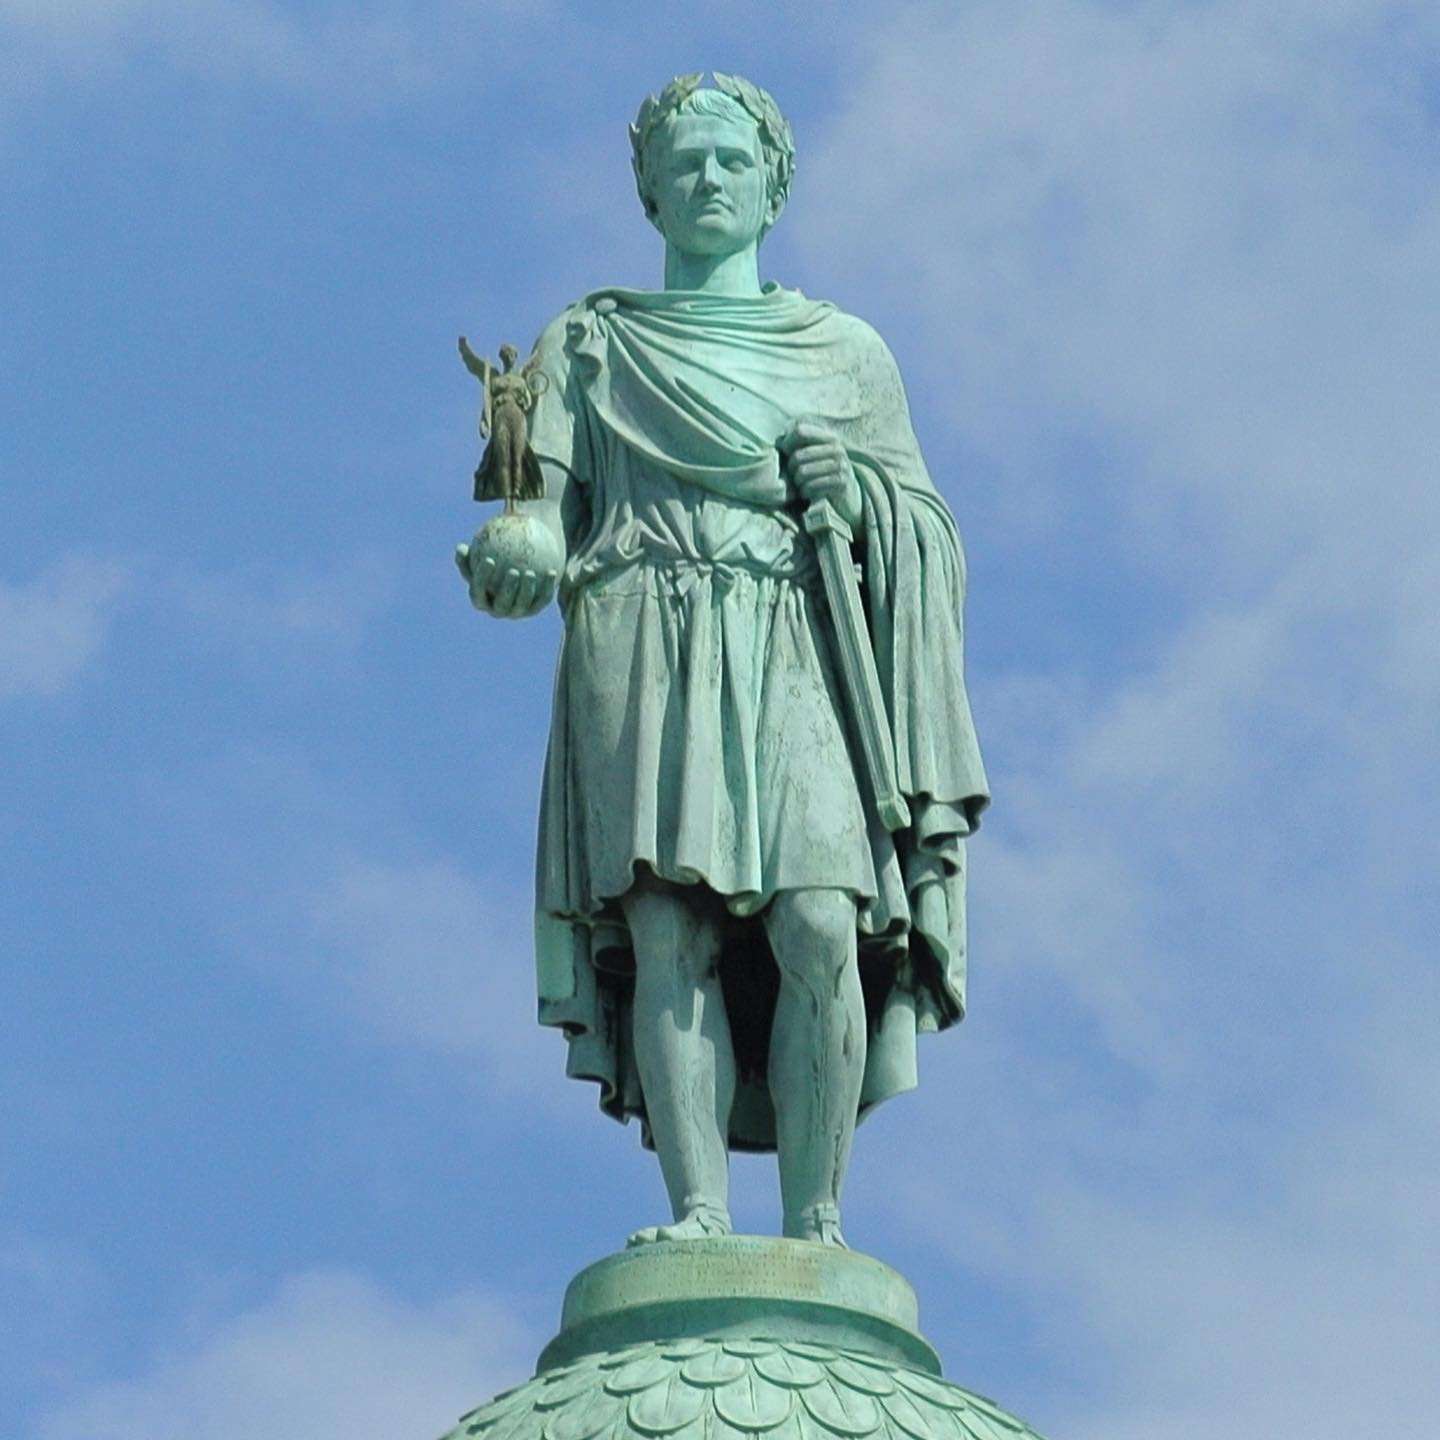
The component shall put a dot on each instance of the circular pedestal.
(739, 1338)
(749, 1286)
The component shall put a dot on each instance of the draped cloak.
(700, 388)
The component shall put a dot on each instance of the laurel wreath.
(776, 141)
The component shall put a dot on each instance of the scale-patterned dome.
(733, 1389)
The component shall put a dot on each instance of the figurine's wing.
(487, 485)
(534, 376)
(532, 478)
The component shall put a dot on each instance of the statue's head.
(713, 166)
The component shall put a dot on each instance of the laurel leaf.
(645, 1370)
(948, 1397)
(751, 1402)
(846, 1412)
(865, 1378)
(713, 1367)
(915, 1420)
(666, 1408)
(788, 1369)
(584, 1417)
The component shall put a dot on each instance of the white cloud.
(1204, 1095)
(325, 893)
(262, 614)
(1227, 1292)
(1201, 240)
(69, 20)
(346, 58)
(1200, 233)
(330, 1354)
(53, 628)
(423, 955)
(46, 1290)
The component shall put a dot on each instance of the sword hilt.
(821, 515)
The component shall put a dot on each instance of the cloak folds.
(701, 388)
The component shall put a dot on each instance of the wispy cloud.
(424, 956)
(1196, 245)
(46, 1289)
(268, 619)
(1195, 235)
(329, 1354)
(339, 906)
(54, 626)
(349, 59)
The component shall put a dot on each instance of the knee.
(812, 932)
(674, 942)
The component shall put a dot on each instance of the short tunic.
(698, 728)
(698, 715)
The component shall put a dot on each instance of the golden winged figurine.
(508, 469)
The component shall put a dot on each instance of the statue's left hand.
(506, 594)
(820, 467)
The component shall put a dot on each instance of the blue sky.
(282, 1151)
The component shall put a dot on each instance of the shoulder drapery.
(703, 387)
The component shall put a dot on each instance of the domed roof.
(699, 1389)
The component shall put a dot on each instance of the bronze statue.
(762, 771)
(508, 469)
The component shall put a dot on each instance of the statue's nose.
(710, 174)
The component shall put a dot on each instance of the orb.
(517, 541)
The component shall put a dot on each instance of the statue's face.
(709, 184)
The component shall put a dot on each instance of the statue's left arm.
(915, 573)
(548, 440)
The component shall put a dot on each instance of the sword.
(833, 536)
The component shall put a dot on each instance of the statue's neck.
(737, 274)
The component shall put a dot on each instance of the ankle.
(705, 1209)
(820, 1222)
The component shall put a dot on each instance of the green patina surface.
(762, 770)
(739, 1336)
(761, 776)
(738, 1286)
(725, 1389)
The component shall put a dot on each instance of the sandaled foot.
(818, 1223)
(701, 1223)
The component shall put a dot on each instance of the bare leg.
(683, 1052)
(817, 1054)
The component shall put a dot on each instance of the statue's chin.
(712, 236)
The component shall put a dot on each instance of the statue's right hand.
(508, 594)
